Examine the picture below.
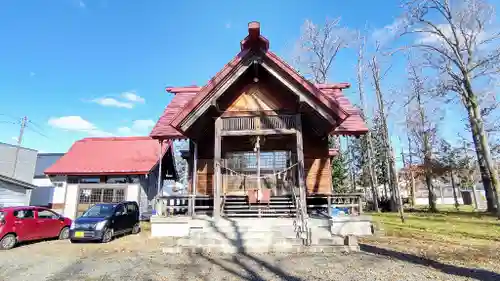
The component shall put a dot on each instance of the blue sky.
(79, 68)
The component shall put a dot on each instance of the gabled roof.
(353, 124)
(169, 125)
(113, 155)
(45, 160)
(163, 127)
(17, 182)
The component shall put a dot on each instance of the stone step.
(248, 241)
(274, 249)
(263, 235)
(243, 229)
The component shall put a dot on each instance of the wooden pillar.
(159, 189)
(329, 205)
(159, 203)
(217, 168)
(194, 178)
(257, 150)
(300, 161)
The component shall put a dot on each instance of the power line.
(8, 122)
(36, 131)
(36, 125)
(10, 116)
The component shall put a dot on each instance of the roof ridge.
(131, 138)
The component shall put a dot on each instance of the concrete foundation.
(166, 227)
(257, 235)
(351, 226)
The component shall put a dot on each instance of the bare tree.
(318, 47)
(368, 150)
(377, 77)
(422, 129)
(456, 41)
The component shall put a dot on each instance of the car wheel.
(8, 242)
(136, 229)
(107, 236)
(64, 234)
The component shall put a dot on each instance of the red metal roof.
(163, 128)
(179, 108)
(353, 124)
(113, 155)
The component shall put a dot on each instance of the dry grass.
(462, 237)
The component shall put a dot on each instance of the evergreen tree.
(339, 168)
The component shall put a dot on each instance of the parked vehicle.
(104, 221)
(19, 224)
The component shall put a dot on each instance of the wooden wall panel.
(205, 174)
(318, 175)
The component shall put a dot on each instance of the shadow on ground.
(478, 274)
(243, 252)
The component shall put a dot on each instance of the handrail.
(300, 222)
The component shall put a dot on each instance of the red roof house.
(110, 156)
(112, 169)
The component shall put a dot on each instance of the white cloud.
(435, 40)
(137, 128)
(113, 102)
(141, 125)
(388, 32)
(133, 97)
(76, 124)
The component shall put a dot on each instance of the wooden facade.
(260, 108)
(258, 125)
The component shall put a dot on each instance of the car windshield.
(2, 216)
(99, 211)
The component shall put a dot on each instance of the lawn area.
(462, 237)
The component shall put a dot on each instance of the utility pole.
(24, 121)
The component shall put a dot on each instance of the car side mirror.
(118, 214)
(61, 218)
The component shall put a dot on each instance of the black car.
(104, 221)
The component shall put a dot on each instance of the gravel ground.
(140, 258)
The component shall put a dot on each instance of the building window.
(58, 184)
(72, 179)
(134, 178)
(101, 195)
(116, 179)
(107, 195)
(89, 180)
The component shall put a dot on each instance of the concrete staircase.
(254, 235)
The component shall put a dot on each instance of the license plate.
(79, 234)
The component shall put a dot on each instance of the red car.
(18, 224)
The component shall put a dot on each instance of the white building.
(48, 192)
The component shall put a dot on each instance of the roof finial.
(253, 30)
(254, 39)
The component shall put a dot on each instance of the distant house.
(17, 166)
(14, 192)
(17, 162)
(107, 170)
(48, 192)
